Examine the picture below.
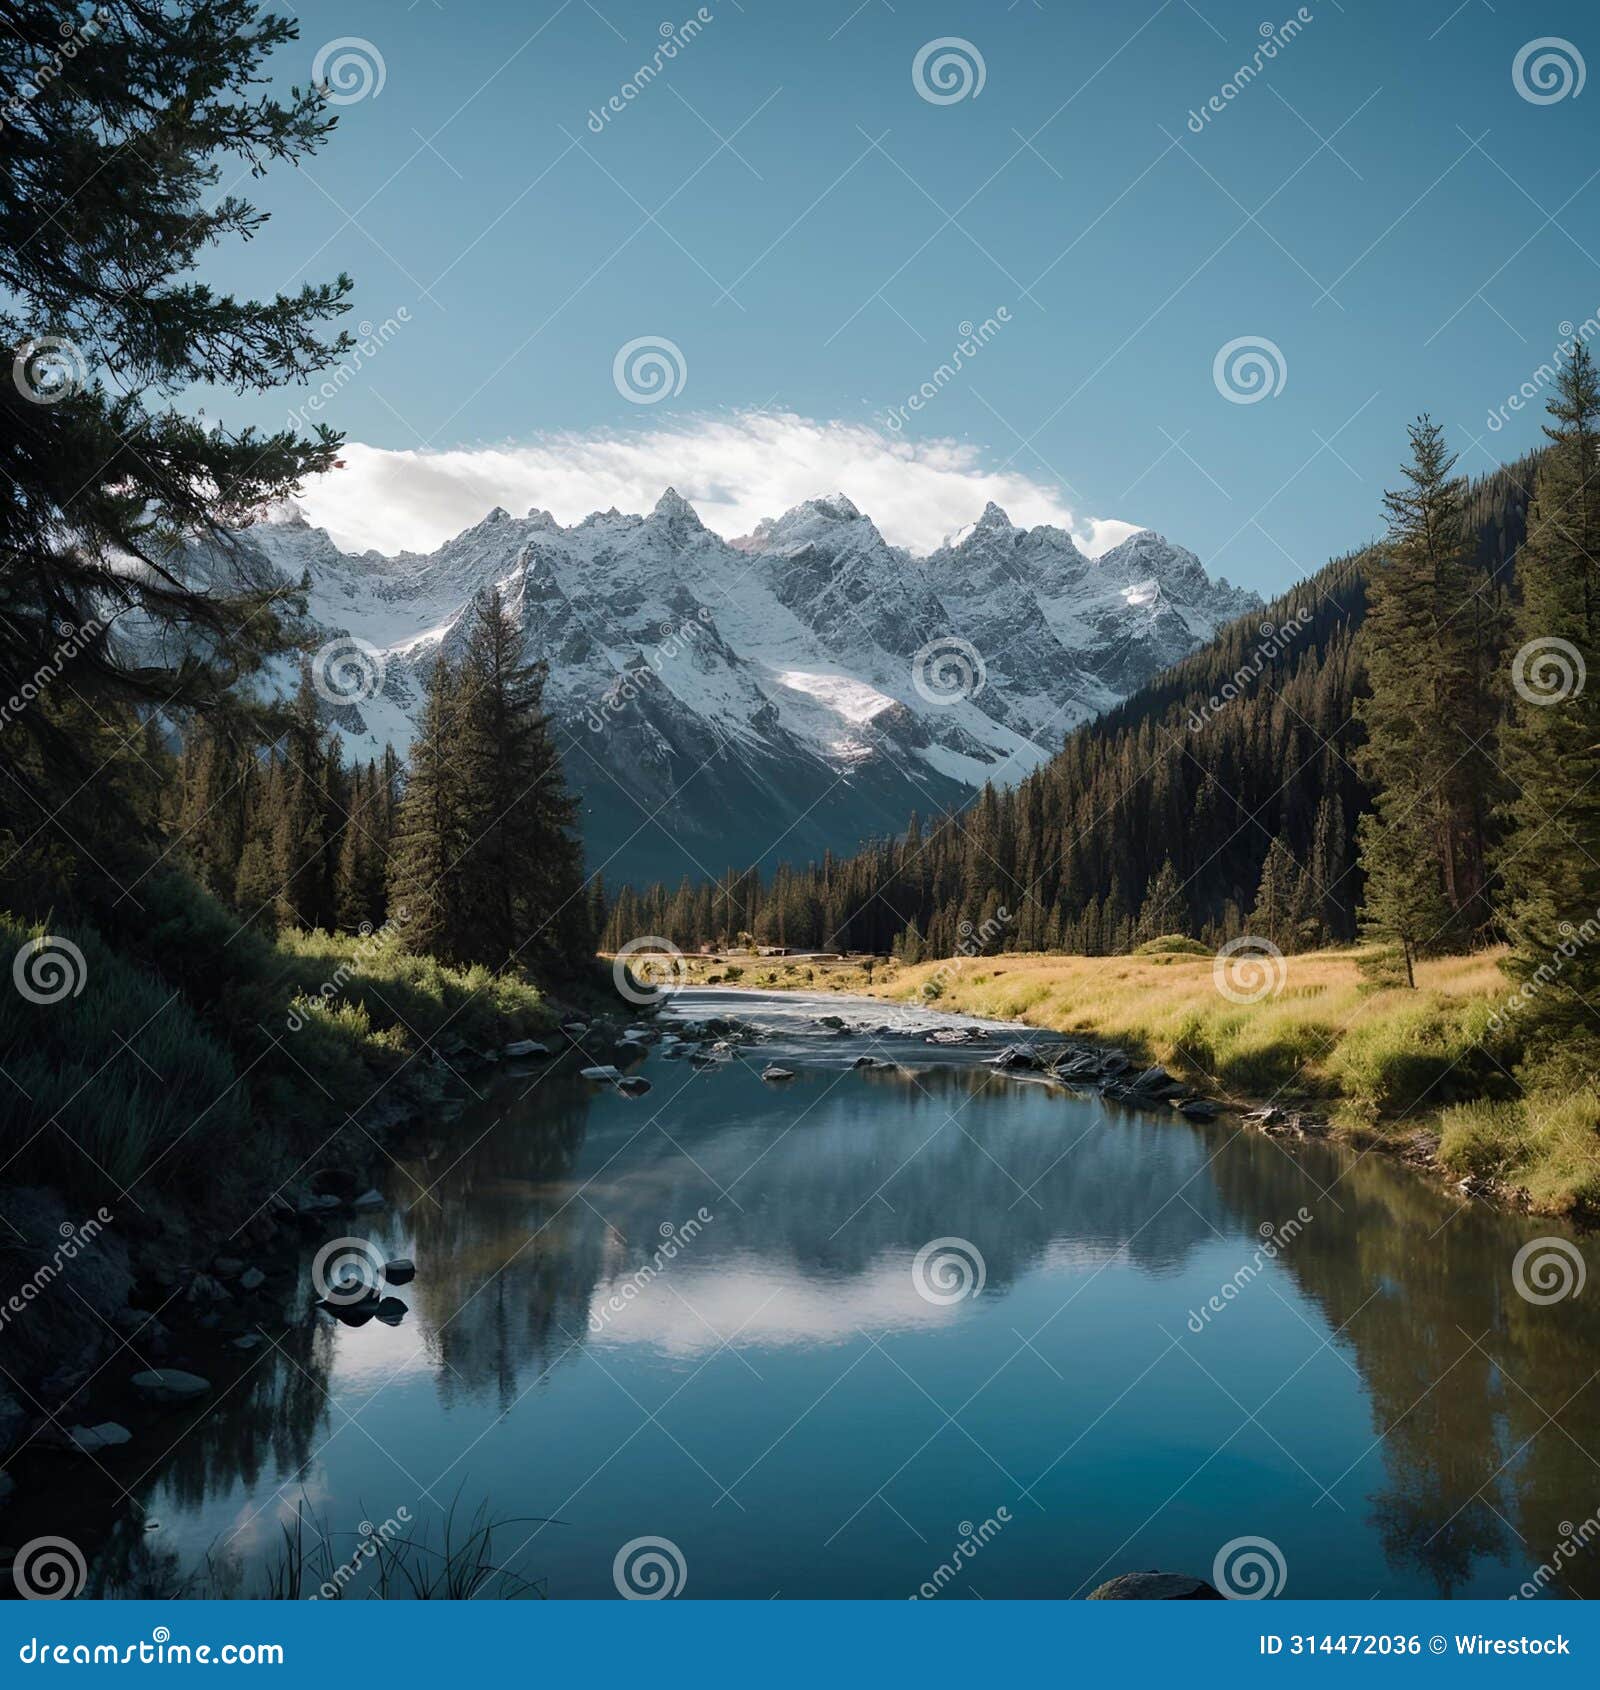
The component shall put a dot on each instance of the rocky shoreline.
(121, 1328)
(1084, 1063)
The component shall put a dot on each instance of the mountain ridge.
(792, 690)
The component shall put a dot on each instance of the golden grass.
(1323, 1032)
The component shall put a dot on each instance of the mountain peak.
(993, 517)
(673, 507)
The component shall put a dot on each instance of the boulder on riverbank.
(1152, 1586)
(1015, 1057)
(169, 1384)
(93, 1439)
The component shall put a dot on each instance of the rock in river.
(524, 1047)
(401, 1271)
(169, 1384)
(1155, 1587)
(773, 1072)
(604, 1071)
(1014, 1056)
(92, 1439)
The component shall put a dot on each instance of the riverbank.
(1429, 1074)
(187, 1104)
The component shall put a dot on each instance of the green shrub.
(116, 1081)
(1172, 944)
(203, 1057)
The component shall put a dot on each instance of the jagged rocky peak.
(821, 521)
(994, 520)
(1150, 553)
(285, 513)
(673, 507)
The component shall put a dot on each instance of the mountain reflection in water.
(777, 1399)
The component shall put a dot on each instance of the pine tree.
(1164, 910)
(108, 205)
(1282, 911)
(1405, 907)
(522, 880)
(426, 896)
(300, 832)
(1417, 862)
(1551, 860)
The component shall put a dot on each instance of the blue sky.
(1380, 203)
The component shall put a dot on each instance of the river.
(710, 1315)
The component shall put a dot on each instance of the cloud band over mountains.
(734, 469)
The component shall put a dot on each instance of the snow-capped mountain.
(722, 702)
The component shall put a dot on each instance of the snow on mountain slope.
(797, 689)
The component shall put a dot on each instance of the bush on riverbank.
(1543, 1142)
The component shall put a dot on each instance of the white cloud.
(734, 470)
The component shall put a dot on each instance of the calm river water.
(801, 1409)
